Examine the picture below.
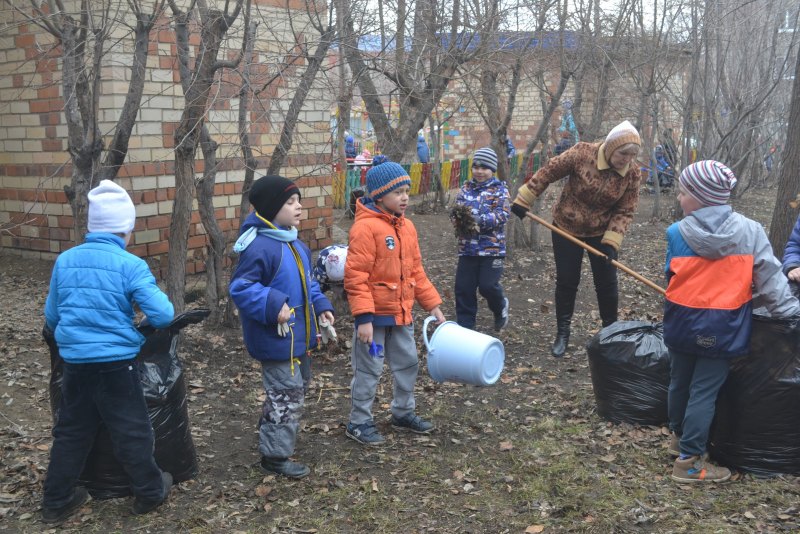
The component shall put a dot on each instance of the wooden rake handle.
(591, 249)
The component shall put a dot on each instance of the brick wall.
(35, 218)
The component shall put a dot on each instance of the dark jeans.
(481, 273)
(110, 393)
(694, 382)
(568, 257)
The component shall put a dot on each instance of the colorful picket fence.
(454, 174)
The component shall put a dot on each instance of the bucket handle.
(425, 332)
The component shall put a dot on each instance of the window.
(787, 21)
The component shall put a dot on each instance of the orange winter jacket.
(383, 273)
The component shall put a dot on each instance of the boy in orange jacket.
(383, 277)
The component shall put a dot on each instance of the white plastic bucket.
(458, 354)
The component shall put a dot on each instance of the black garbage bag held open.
(757, 422)
(165, 393)
(629, 364)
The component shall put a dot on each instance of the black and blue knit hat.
(386, 177)
(486, 157)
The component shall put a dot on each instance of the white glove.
(283, 329)
(327, 331)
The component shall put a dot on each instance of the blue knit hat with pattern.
(486, 157)
(386, 177)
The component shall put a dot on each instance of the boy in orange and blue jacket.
(719, 266)
(383, 277)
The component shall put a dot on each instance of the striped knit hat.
(709, 182)
(386, 177)
(621, 134)
(486, 157)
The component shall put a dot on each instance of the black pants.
(481, 273)
(110, 393)
(568, 258)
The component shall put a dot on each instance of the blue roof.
(501, 40)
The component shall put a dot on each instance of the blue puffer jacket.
(266, 278)
(791, 254)
(90, 304)
(489, 204)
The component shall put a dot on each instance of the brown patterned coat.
(596, 200)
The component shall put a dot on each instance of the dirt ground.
(528, 454)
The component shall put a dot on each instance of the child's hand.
(794, 274)
(436, 312)
(285, 314)
(364, 333)
(326, 316)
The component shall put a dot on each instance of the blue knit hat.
(486, 157)
(386, 177)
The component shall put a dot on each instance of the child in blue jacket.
(791, 255)
(90, 309)
(481, 255)
(279, 303)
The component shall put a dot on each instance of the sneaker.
(284, 466)
(143, 507)
(412, 422)
(365, 433)
(501, 321)
(52, 516)
(698, 469)
(674, 447)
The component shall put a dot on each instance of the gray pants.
(283, 406)
(400, 351)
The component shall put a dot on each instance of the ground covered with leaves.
(528, 454)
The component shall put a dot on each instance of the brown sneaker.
(698, 469)
(674, 447)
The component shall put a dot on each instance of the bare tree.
(214, 25)
(84, 36)
(784, 215)
(420, 73)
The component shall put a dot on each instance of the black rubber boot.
(565, 305)
(284, 466)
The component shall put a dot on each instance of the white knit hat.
(621, 134)
(111, 209)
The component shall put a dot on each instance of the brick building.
(35, 216)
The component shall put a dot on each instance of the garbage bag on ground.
(757, 422)
(165, 393)
(629, 364)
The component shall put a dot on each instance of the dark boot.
(284, 466)
(608, 307)
(565, 305)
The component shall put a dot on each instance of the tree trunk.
(785, 214)
(215, 250)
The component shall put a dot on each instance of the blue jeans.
(694, 384)
(108, 393)
(481, 273)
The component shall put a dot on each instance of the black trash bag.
(165, 393)
(629, 364)
(757, 422)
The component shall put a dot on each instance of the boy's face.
(481, 173)
(396, 200)
(687, 201)
(290, 212)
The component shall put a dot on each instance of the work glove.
(609, 250)
(283, 329)
(327, 331)
(519, 210)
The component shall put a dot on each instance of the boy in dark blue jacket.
(279, 303)
(481, 254)
(90, 310)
